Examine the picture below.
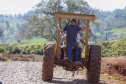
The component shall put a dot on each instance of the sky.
(23, 6)
(107, 5)
(17, 6)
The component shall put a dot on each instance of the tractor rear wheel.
(46, 44)
(48, 63)
(94, 64)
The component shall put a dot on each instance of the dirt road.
(23, 72)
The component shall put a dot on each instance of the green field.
(116, 33)
(98, 34)
(115, 30)
(34, 40)
(120, 31)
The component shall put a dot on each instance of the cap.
(73, 20)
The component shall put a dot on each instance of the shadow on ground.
(75, 81)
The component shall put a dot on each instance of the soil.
(14, 57)
(113, 69)
(114, 66)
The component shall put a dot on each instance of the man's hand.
(82, 29)
(64, 37)
(58, 25)
(59, 28)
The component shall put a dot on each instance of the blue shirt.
(71, 33)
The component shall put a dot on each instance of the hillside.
(119, 33)
(113, 34)
(10, 26)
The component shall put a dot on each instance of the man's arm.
(64, 37)
(82, 29)
(59, 28)
(82, 41)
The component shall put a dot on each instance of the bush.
(27, 49)
(113, 48)
(1, 49)
(15, 50)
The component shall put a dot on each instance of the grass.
(111, 78)
(5, 32)
(116, 33)
(26, 44)
(119, 33)
(7, 59)
(115, 30)
(108, 76)
(98, 34)
(123, 39)
(34, 40)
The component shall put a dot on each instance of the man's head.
(73, 22)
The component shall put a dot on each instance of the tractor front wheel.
(48, 63)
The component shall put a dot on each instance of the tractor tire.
(80, 49)
(94, 64)
(48, 63)
(46, 44)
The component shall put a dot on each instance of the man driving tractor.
(71, 35)
(63, 47)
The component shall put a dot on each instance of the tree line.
(10, 25)
(113, 20)
(9, 16)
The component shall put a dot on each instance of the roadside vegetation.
(109, 48)
(19, 48)
(114, 48)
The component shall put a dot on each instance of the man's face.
(73, 23)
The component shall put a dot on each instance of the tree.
(25, 32)
(1, 32)
(7, 23)
(116, 19)
(17, 25)
(44, 24)
(1, 16)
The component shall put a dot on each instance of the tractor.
(91, 61)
